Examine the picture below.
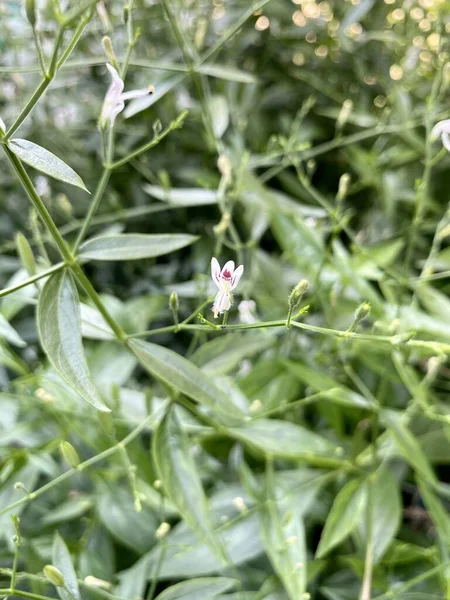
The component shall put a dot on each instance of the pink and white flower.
(442, 130)
(114, 102)
(226, 280)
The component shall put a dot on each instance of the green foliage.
(297, 447)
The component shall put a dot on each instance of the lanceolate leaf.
(179, 373)
(283, 535)
(180, 479)
(62, 560)
(193, 589)
(132, 246)
(344, 516)
(9, 333)
(41, 159)
(58, 317)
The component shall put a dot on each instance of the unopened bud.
(162, 530)
(311, 167)
(362, 311)
(109, 51)
(240, 504)
(255, 406)
(126, 13)
(54, 575)
(64, 205)
(15, 539)
(157, 484)
(69, 453)
(297, 294)
(26, 254)
(173, 302)
(224, 166)
(344, 182)
(30, 11)
(344, 114)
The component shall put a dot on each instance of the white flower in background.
(442, 130)
(246, 309)
(226, 280)
(114, 102)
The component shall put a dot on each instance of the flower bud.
(30, 11)
(109, 51)
(162, 530)
(173, 302)
(297, 294)
(69, 454)
(26, 254)
(344, 182)
(362, 311)
(344, 114)
(54, 575)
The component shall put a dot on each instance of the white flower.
(226, 280)
(442, 130)
(114, 102)
(246, 309)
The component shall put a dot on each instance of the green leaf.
(58, 319)
(344, 516)
(62, 560)
(194, 589)
(182, 196)
(9, 333)
(227, 73)
(179, 373)
(180, 479)
(387, 511)
(133, 246)
(407, 444)
(41, 159)
(283, 535)
(284, 440)
(117, 512)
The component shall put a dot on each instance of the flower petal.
(136, 94)
(236, 276)
(215, 272)
(228, 266)
(446, 140)
(222, 302)
(115, 110)
(117, 84)
(440, 128)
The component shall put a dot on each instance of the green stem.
(93, 295)
(28, 186)
(173, 125)
(31, 280)
(155, 577)
(147, 422)
(14, 568)
(28, 107)
(37, 43)
(93, 208)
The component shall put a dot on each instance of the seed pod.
(69, 453)
(54, 575)
(30, 11)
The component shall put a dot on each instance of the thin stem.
(93, 295)
(147, 422)
(23, 594)
(28, 107)
(31, 280)
(93, 208)
(424, 186)
(28, 186)
(159, 564)
(14, 567)
(173, 125)
(37, 43)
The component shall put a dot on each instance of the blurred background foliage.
(305, 154)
